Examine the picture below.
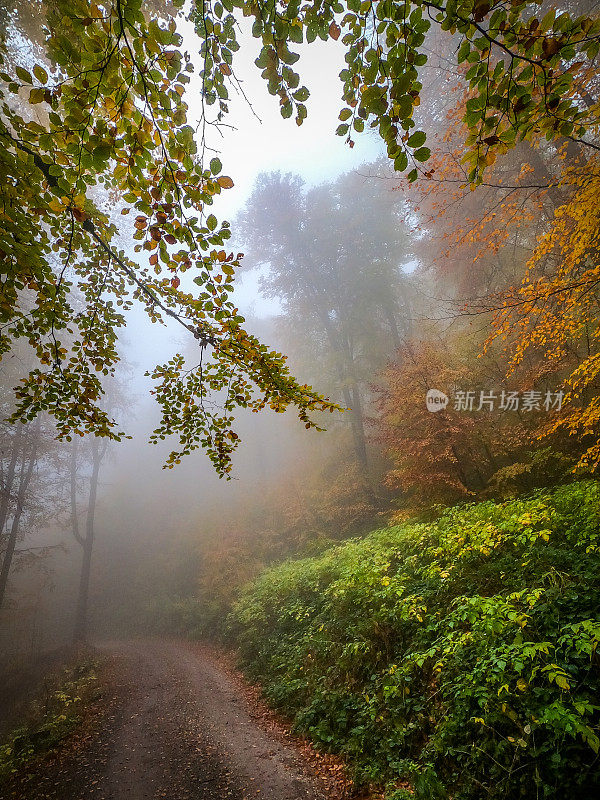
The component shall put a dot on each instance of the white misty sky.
(312, 150)
(273, 143)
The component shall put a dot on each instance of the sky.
(273, 143)
(261, 141)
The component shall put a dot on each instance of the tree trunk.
(351, 394)
(81, 615)
(10, 477)
(25, 474)
(74, 518)
(390, 316)
(81, 628)
(9, 553)
(352, 400)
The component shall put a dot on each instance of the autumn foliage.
(554, 311)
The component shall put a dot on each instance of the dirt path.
(178, 728)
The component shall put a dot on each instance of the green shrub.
(51, 721)
(460, 654)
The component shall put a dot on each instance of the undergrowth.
(459, 654)
(51, 719)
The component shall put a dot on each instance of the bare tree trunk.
(81, 616)
(353, 402)
(74, 519)
(26, 471)
(351, 395)
(8, 555)
(7, 484)
(390, 316)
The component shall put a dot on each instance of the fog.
(348, 270)
(299, 399)
(145, 512)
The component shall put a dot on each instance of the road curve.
(178, 728)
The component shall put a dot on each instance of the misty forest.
(300, 399)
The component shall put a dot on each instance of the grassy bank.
(460, 654)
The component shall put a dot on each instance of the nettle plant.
(98, 111)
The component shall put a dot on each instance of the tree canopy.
(100, 120)
(109, 119)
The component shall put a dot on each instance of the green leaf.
(417, 139)
(562, 682)
(215, 166)
(301, 95)
(296, 33)
(401, 162)
(40, 73)
(23, 75)
(36, 95)
(101, 155)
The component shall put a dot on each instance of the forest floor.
(177, 721)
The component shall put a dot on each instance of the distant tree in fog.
(334, 255)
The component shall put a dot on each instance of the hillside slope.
(459, 654)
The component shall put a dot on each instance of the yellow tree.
(555, 310)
